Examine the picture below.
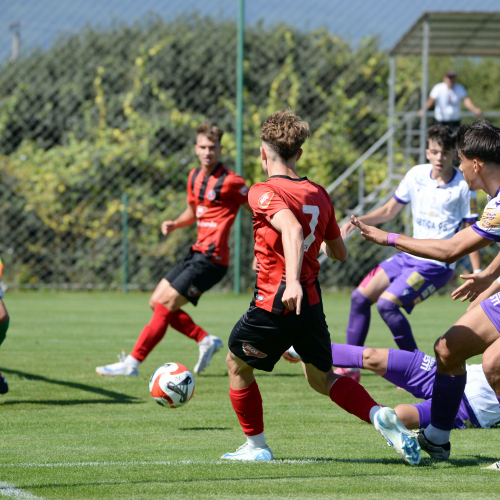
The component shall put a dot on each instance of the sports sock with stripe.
(247, 403)
(152, 333)
(183, 323)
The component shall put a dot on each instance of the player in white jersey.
(477, 331)
(441, 203)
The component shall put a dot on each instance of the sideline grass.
(68, 433)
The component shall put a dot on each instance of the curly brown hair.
(285, 133)
(211, 131)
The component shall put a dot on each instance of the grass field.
(68, 433)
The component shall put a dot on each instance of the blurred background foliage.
(107, 112)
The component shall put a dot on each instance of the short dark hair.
(285, 133)
(479, 140)
(443, 135)
(211, 131)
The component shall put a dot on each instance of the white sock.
(258, 441)
(132, 362)
(437, 436)
(373, 412)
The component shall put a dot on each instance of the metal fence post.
(124, 244)
(239, 140)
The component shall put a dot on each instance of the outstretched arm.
(449, 251)
(383, 214)
(185, 219)
(293, 246)
(475, 257)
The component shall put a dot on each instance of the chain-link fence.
(100, 123)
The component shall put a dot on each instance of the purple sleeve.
(402, 202)
(484, 234)
(470, 220)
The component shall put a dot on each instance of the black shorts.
(195, 275)
(260, 337)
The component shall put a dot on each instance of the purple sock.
(398, 363)
(359, 319)
(447, 394)
(397, 323)
(347, 356)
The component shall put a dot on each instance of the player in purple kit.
(415, 372)
(477, 331)
(441, 203)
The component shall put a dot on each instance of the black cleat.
(4, 388)
(435, 451)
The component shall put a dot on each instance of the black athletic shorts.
(260, 337)
(195, 275)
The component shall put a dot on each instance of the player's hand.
(370, 233)
(346, 229)
(473, 287)
(289, 358)
(167, 227)
(292, 296)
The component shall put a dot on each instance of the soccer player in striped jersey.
(477, 331)
(441, 203)
(293, 219)
(214, 196)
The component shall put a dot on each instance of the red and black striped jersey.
(217, 198)
(313, 208)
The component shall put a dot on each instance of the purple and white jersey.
(481, 397)
(489, 225)
(438, 211)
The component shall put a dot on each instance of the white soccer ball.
(172, 385)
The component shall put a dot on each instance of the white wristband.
(477, 271)
(498, 279)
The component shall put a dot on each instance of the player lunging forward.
(214, 195)
(415, 372)
(441, 202)
(477, 331)
(293, 219)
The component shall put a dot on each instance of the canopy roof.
(453, 34)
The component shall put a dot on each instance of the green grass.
(68, 433)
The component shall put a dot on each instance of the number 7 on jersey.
(314, 211)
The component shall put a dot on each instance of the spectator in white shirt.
(446, 97)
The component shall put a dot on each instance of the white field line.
(7, 490)
(193, 462)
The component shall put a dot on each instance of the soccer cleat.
(208, 347)
(4, 388)
(495, 466)
(397, 435)
(247, 452)
(435, 451)
(117, 369)
(346, 372)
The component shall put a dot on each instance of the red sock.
(352, 397)
(152, 333)
(247, 404)
(184, 324)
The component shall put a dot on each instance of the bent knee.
(445, 354)
(372, 358)
(4, 316)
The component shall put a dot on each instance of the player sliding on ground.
(415, 372)
(293, 219)
(214, 196)
(440, 202)
(477, 331)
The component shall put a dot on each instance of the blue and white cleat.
(117, 369)
(397, 435)
(208, 347)
(247, 452)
